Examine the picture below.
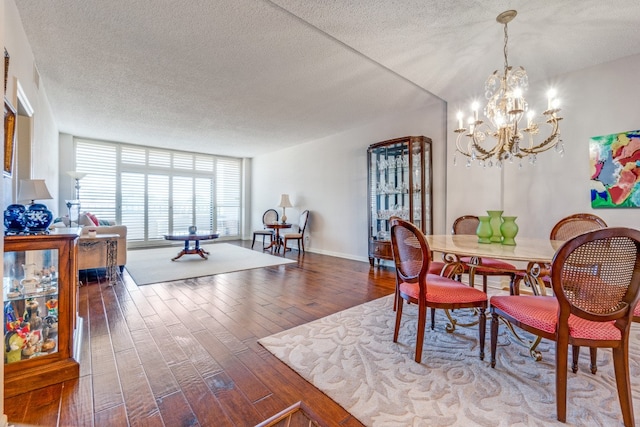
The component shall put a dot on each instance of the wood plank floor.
(185, 353)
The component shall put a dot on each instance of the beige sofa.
(93, 253)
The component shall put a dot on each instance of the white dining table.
(537, 253)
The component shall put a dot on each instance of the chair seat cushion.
(541, 312)
(265, 232)
(293, 236)
(493, 266)
(442, 290)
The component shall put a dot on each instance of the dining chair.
(412, 258)
(568, 227)
(269, 217)
(468, 224)
(298, 235)
(595, 278)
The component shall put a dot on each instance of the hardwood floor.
(185, 353)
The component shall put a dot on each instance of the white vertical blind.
(155, 191)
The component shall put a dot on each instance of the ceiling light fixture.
(506, 106)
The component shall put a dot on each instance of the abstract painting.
(615, 170)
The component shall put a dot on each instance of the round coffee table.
(191, 237)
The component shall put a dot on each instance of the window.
(154, 191)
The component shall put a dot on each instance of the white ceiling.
(244, 77)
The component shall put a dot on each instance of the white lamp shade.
(285, 202)
(76, 175)
(33, 189)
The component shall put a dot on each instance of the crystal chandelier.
(504, 138)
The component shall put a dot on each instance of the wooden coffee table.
(191, 237)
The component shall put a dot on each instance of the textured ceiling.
(244, 77)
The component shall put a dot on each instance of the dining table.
(276, 242)
(537, 253)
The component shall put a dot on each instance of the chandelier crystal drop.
(503, 137)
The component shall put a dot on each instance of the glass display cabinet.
(40, 290)
(399, 182)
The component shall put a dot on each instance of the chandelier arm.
(548, 143)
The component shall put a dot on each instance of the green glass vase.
(509, 230)
(495, 221)
(484, 231)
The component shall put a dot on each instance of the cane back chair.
(412, 258)
(268, 217)
(596, 282)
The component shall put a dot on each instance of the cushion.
(93, 218)
(85, 220)
(541, 312)
(443, 290)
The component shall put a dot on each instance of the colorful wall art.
(615, 170)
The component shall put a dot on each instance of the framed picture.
(9, 137)
(615, 170)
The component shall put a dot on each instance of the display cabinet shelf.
(399, 184)
(40, 287)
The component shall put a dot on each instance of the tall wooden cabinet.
(399, 182)
(40, 290)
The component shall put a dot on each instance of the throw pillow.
(93, 218)
(86, 221)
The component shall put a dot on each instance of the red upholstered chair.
(468, 224)
(596, 281)
(414, 284)
(565, 229)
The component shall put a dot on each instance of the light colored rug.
(148, 266)
(350, 356)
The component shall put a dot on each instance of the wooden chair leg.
(562, 354)
(482, 331)
(400, 303)
(621, 368)
(254, 240)
(494, 338)
(422, 320)
(433, 318)
(593, 352)
(575, 353)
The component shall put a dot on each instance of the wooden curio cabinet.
(399, 184)
(40, 288)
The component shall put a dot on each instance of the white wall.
(44, 154)
(596, 101)
(329, 177)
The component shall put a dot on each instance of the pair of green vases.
(496, 228)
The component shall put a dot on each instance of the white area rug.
(148, 266)
(351, 357)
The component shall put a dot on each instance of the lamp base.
(284, 218)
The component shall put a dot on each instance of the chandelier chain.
(506, 40)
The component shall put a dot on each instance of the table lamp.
(284, 204)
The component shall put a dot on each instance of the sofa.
(92, 254)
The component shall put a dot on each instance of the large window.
(155, 191)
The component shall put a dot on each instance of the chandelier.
(503, 137)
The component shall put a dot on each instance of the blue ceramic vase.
(15, 220)
(38, 218)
